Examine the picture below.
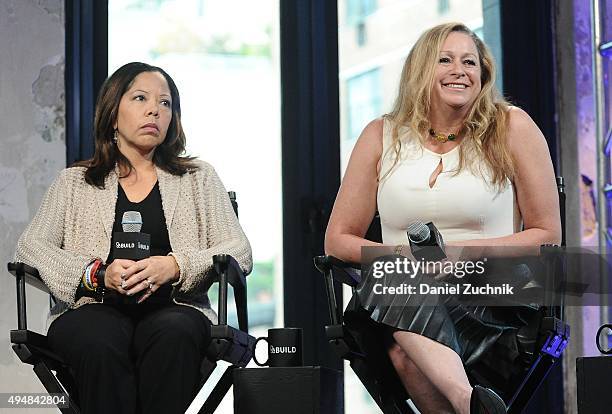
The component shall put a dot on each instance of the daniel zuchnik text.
(426, 289)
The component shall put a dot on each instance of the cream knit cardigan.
(73, 226)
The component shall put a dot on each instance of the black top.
(153, 223)
(153, 220)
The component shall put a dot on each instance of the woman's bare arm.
(356, 201)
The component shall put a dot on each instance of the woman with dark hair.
(452, 152)
(137, 343)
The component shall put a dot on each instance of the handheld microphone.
(131, 222)
(426, 242)
(131, 243)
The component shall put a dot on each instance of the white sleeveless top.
(461, 206)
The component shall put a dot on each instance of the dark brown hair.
(167, 155)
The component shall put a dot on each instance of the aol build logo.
(283, 349)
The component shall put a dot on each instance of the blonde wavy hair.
(486, 123)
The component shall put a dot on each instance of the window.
(226, 66)
(358, 10)
(443, 6)
(363, 101)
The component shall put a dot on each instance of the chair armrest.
(228, 271)
(334, 269)
(235, 275)
(343, 272)
(30, 275)
(25, 274)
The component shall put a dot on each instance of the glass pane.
(226, 67)
(374, 40)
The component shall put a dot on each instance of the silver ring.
(122, 275)
(123, 284)
(151, 284)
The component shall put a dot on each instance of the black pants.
(133, 358)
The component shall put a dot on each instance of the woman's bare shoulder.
(523, 133)
(371, 137)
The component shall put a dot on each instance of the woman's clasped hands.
(129, 277)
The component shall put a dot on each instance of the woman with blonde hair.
(450, 134)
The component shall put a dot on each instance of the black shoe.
(486, 401)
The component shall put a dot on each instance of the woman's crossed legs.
(432, 373)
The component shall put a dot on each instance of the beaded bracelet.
(92, 280)
(86, 279)
(93, 273)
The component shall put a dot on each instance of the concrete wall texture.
(32, 152)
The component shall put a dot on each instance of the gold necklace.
(441, 137)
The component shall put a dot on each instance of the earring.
(115, 136)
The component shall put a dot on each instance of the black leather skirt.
(490, 340)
